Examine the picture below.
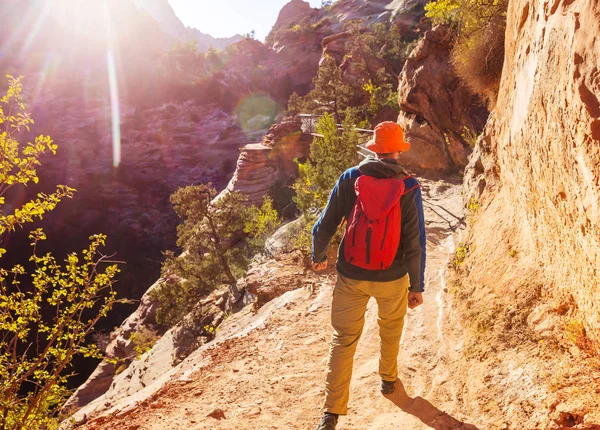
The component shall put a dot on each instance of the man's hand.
(318, 267)
(414, 299)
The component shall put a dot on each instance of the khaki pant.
(350, 298)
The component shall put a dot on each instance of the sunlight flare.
(115, 109)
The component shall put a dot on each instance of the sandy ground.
(272, 377)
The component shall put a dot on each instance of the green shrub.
(261, 223)
(478, 53)
(461, 254)
(329, 95)
(302, 242)
(330, 156)
(143, 340)
(212, 237)
(219, 238)
(37, 347)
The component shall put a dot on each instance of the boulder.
(281, 242)
(293, 13)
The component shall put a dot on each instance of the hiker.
(382, 255)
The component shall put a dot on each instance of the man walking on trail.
(382, 255)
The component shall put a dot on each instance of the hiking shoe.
(328, 422)
(387, 387)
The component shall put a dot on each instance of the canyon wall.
(542, 156)
(437, 110)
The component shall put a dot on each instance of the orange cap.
(388, 138)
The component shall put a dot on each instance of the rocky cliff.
(437, 110)
(541, 150)
(529, 279)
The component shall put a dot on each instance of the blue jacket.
(410, 258)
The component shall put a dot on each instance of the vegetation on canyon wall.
(366, 80)
(48, 309)
(217, 237)
(478, 53)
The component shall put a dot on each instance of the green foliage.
(210, 235)
(394, 46)
(380, 97)
(461, 254)
(473, 205)
(19, 162)
(329, 95)
(302, 242)
(143, 340)
(575, 332)
(478, 54)
(262, 222)
(36, 346)
(330, 156)
(377, 55)
(469, 16)
(216, 253)
(470, 136)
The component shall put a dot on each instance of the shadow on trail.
(425, 411)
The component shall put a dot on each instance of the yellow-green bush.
(478, 54)
(37, 347)
(143, 340)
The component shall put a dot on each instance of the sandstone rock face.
(436, 106)
(260, 165)
(543, 192)
(255, 173)
(292, 13)
(120, 347)
(288, 143)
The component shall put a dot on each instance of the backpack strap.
(404, 178)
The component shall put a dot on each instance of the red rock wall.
(543, 153)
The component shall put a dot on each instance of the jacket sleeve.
(327, 224)
(413, 241)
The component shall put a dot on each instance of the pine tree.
(330, 156)
(329, 95)
(216, 252)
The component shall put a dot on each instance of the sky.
(225, 18)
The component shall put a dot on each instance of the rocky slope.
(506, 340)
(181, 143)
(266, 367)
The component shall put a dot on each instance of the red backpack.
(372, 234)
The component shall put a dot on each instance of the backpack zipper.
(369, 245)
(387, 220)
(355, 224)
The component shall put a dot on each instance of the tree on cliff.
(330, 156)
(330, 94)
(37, 346)
(478, 53)
(213, 238)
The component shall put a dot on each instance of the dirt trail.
(268, 370)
